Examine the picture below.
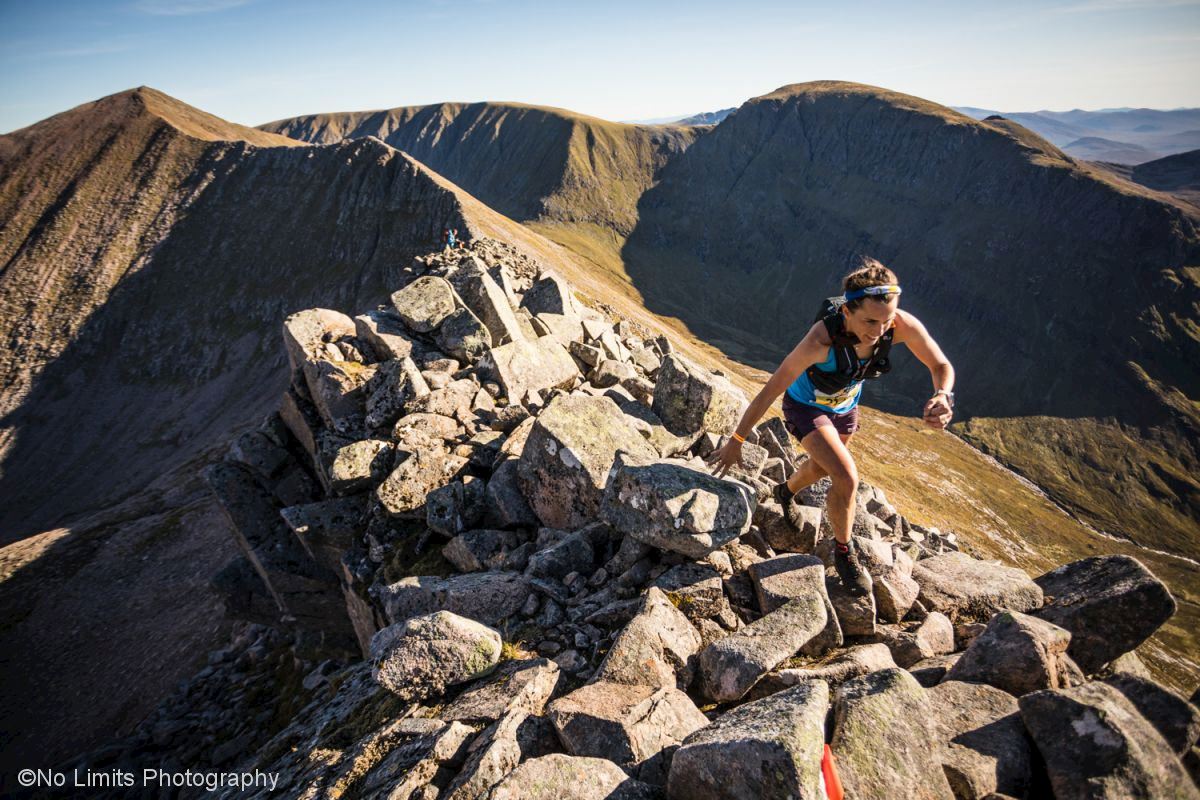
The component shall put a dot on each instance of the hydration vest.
(848, 369)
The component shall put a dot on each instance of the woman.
(823, 377)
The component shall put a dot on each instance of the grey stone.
(423, 655)
(424, 303)
(487, 301)
(491, 757)
(535, 365)
(688, 398)
(484, 549)
(563, 777)
(654, 649)
(487, 597)
(506, 503)
(985, 748)
(517, 685)
(967, 589)
(770, 748)
(573, 553)
(338, 391)
(932, 670)
(1096, 744)
(360, 465)
(385, 335)
(455, 507)
(566, 461)
(1110, 604)
(1017, 653)
(933, 636)
(463, 336)
(550, 294)
(1169, 712)
(327, 529)
(420, 468)
(885, 739)
(783, 578)
(673, 506)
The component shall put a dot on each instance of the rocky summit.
(483, 542)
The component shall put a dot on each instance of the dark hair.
(869, 272)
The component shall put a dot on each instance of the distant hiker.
(823, 377)
(445, 239)
(455, 242)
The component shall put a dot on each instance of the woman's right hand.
(726, 457)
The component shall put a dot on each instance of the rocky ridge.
(482, 514)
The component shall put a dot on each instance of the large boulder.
(1168, 711)
(550, 294)
(306, 333)
(339, 392)
(689, 398)
(419, 469)
(487, 597)
(885, 740)
(516, 685)
(624, 723)
(565, 464)
(933, 636)
(1110, 604)
(492, 756)
(674, 506)
(1096, 744)
(835, 668)
(654, 649)
(969, 589)
(731, 666)
(486, 299)
(523, 366)
(421, 656)
(784, 578)
(385, 334)
(1019, 654)
(769, 748)
(985, 748)
(562, 777)
(424, 303)
(463, 336)
(360, 465)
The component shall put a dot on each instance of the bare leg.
(810, 471)
(827, 449)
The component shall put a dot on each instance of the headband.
(885, 290)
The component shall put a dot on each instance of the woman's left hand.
(938, 412)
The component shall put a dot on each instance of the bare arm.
(811, 350)
(910, 331)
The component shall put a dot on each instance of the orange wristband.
(741, 439)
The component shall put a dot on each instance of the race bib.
(842, 397)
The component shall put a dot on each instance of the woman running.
(823, 377)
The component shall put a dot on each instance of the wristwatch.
(949, 396)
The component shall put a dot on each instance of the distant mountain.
(1136, 134)
(1094, 148)
(1178, 175)
(707, 117)
(528, 162)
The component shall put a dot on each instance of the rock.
(729, 667)
(610, 373)
(389, 390)
(455, 507)
(565, 464)
(1017, 653)
(885, 739)
(967, 589)
(933, 636)
(624, 723)
(463, 336)
(518, 685)
(930, 671)
(695, 589)
(521, 367)
(506, 503)
(486, 597)
(438, 426)
(423, 655)
(486, 549)
(424, 303)
(260, 454)
(654, 649)
(338, 391)
(327, 529)
(770, 748)
(1110, 604)
(673, 506)
(590, 355)
(894, 592)
(562, 777)
(420, 466)
(855, 613)
(835, 668)
(306, 332)
(783, 536)
(491, 757)
(573, 553)
(550, 294)
(452, 400)
(486, 300)
(420, 748)
(688, 398)
(1127, 663)
(360, 465)
(647, 423)
(985, 749)
(1095, 743)
(385, 335)
(783, 578)
(1169, 712)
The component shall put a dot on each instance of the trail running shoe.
(853, 575)
(787, 500)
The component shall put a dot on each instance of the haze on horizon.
(253, 61)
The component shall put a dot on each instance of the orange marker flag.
(831, 784)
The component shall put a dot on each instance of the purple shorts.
(801, 419)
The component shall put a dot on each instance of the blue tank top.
(840, 402)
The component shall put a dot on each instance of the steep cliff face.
(527, 162)
(1055, 289)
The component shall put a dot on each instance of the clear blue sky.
(252, 61)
